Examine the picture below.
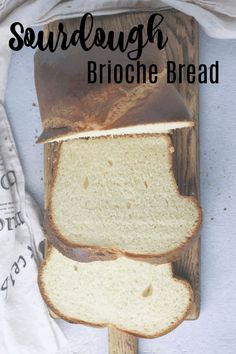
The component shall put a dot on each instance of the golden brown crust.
(152, 108)
(68, 104)
(87, 253)
(97, 325)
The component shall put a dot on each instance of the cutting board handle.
(122, 343)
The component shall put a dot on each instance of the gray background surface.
(215, 330)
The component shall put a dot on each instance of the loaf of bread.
(139, 298)
(113, 194)
(119, 196)
(70, 107)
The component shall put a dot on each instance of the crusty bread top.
(69, 105)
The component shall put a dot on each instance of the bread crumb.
(86, 183)
(148, 291)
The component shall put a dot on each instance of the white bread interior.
(120, 194)
(135, 297)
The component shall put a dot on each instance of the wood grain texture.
(182, 31)
(122, 343)
(182, 48)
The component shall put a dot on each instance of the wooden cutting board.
(182, 48)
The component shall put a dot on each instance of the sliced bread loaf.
(119, 195)
(136, 297)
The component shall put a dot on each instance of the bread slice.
(136, 297)
(119, 195)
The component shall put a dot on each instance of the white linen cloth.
(25, 326)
